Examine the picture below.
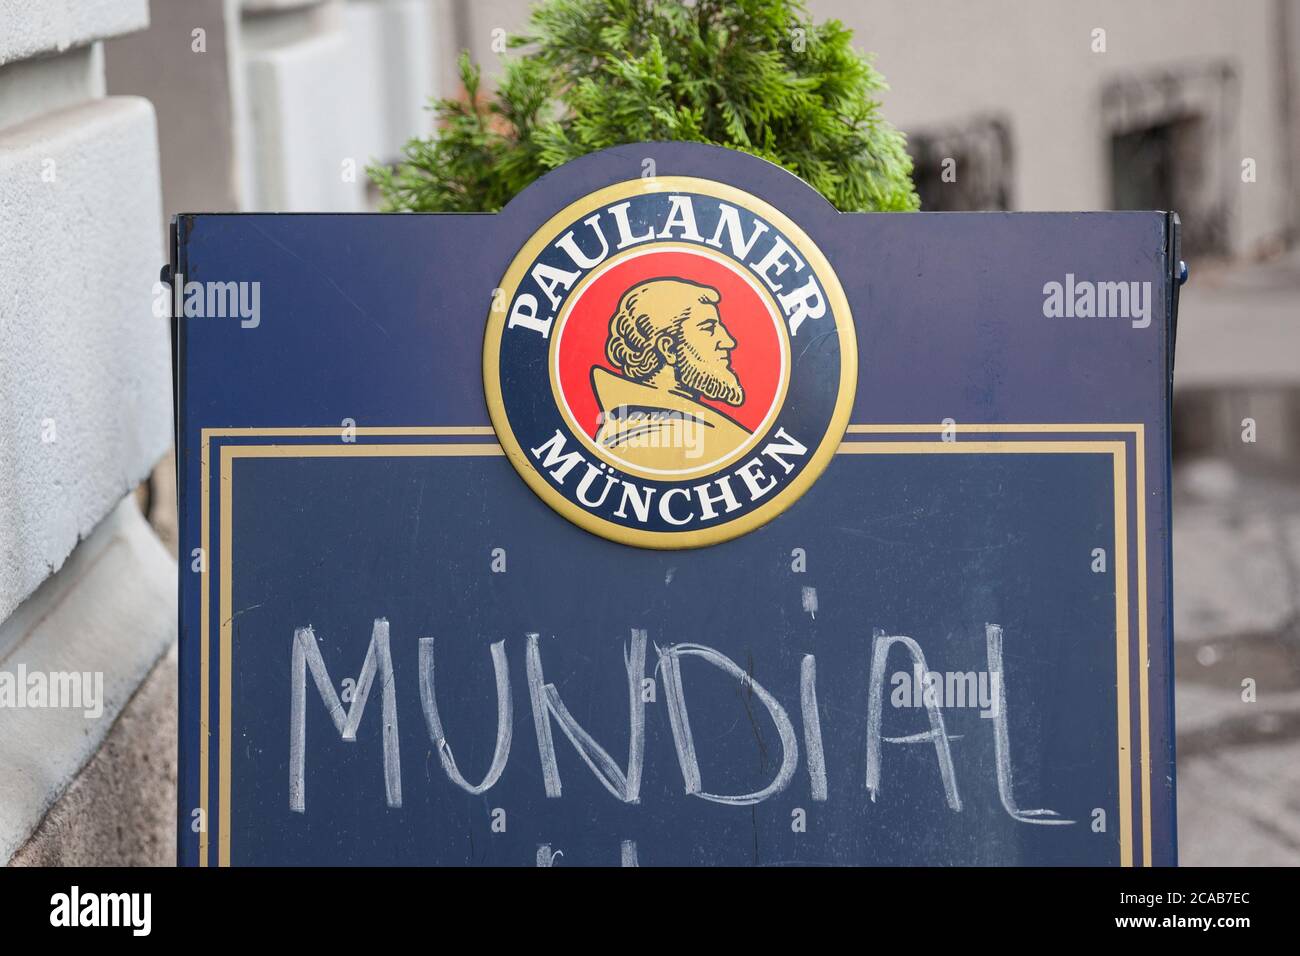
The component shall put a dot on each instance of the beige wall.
(1032, 63)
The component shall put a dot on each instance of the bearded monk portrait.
(671, 349)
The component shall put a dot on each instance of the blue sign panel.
(675, 521)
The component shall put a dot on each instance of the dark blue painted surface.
(380, 319)
(934, 552)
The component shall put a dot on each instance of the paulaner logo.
(672, 363)
(671, 353)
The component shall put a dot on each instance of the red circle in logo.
(758, 359)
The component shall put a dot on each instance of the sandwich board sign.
(671, 517)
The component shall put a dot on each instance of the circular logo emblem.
(669, 362)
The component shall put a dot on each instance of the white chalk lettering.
(505, 718)
(684, 740)
(875, 705)
(306, 654)
(546, 704)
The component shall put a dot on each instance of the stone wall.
(110, 122)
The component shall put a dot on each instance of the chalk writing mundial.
(623, 781)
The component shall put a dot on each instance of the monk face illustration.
(668, 333)
(671, 349)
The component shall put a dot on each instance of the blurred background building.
(114, 115)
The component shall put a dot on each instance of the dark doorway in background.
(977, 159)
(1171, 136)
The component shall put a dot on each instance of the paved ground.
(1236, 614)
(1237, 569)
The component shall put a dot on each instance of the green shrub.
(753, 75)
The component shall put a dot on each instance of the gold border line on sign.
(205, 607)
(840, 313)
(1138, 430)
(1117, 449)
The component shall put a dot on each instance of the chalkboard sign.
(672, 517)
